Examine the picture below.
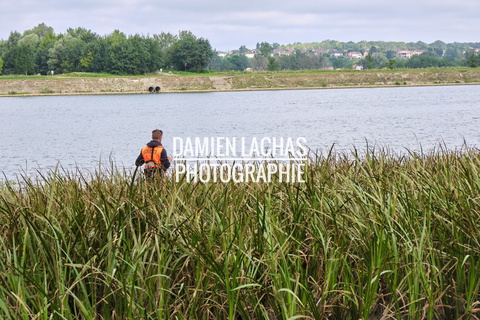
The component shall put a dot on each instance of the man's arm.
(165, 159)
(139, 160)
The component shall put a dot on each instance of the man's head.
(157, 134)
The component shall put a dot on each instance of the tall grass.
(369, 235)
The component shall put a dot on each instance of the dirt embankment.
(248, 81)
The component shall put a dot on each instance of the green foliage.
(259, 62)
(369, 61)
(369, 235)
(235, 62)
(129, 57)
(66, 53)
(427, 60)
(473, 60)
(190, 53)
(42, 31)
(24, 59)
(1, 65)
(391, 63)
(40, 50)
(265, 49)
(341, 63)
(272, 64)
(80, 50)
(243, 49)
(47, 43)
(165, 40)
(303, 61)
(86, 61)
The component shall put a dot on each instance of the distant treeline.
(41, 51)
(334, 54)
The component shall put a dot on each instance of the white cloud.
(230, 24)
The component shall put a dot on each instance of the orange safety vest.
(152, 156)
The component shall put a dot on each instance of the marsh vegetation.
(369, 235)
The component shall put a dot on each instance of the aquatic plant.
(369, 235)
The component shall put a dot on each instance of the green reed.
(369, 235)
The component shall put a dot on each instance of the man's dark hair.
(157, 134)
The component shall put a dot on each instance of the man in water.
(154, 156)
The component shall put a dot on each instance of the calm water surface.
(37, 133)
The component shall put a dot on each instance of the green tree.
(190, 53)
(66, 53)
(218, 63)
(427, 60)
(25, 54)
(31, 40)
(86, 61)
(452, 54)
(473, 61)
(156, 55)
(129, 57)
(390, 54)
(369, 61)
(41, 30)
(112, 52)
(238, 62)
(83, 34)
(1, 65)
(165, 40)
(243, 49)
(341, 63)
(101, 52)
(259, 62)
(138, 55)
(439, 47)
(272, 64)
(9, 48)
(265, 49)
(24, 59)
(288, 62)
(391, 63)
(47, 42)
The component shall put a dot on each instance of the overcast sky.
(230, 24)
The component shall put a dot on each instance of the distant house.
(318, 52)
(404, 53)
(408, 53)
(283, 52)
(336, 54)
(249, 54)
(355, 55)
(221, 53)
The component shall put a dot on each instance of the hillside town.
(317, 52)
(366, 58)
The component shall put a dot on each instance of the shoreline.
(65, 86)
(232, 90)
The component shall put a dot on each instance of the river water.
(39, 133)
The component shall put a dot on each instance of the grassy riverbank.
(83, 83)
(367, 236)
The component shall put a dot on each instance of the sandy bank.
(240, 82)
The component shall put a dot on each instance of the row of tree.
(378, 55)
(41, 51)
